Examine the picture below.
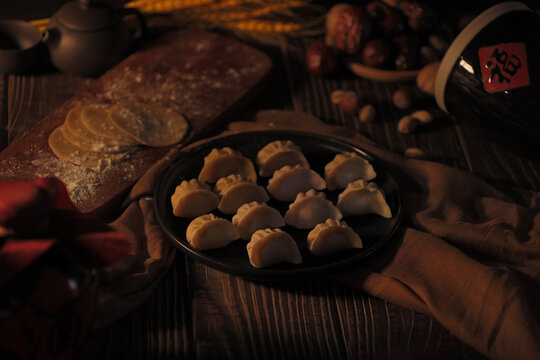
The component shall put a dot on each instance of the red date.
(321, 60)
(377, 53)
(407, 50)
(420, 16)
(388, 20)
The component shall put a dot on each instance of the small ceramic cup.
(490, 76)
(20, 46)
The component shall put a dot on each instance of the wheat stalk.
(268, 21)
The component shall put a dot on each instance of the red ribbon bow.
(35, 216)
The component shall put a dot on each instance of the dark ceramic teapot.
(87, 37)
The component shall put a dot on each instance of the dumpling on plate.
(275, 155)
(210, 232)
(226, 161)
(332, 237)
(346, 168)
(288, 181)
(255, 216)
(361, 198)
(235, 190)
(310, 209)
(192, 198)
(272, 246)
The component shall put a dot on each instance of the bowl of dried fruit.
(381, 40)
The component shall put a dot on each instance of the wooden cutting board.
(203, 75)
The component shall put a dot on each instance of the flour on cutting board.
(188, 93)
(81, 182)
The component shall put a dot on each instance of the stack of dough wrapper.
(100, 135)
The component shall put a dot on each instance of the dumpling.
(332, 237)
(310, 209)
(346, 168)
(272, 246)
(254, 216)
(275, 155)
(226, 161)
(288, 181)
(236, 190)
(192, 198)
(210, 232)
(361, 198)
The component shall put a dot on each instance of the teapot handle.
(142, 27)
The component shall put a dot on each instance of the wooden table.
(200, 313)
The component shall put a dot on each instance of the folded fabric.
(127, 284)
(467, 253)
(471, 261)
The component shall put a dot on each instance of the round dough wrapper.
(77, 133)
(97, 119)
(151, 125)
(67, 151)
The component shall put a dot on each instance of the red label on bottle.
(504, 66)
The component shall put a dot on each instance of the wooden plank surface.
(200, 313)
(202, 75)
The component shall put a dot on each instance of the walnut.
(332, 17)
(352, 27)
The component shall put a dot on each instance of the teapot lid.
(86, 15)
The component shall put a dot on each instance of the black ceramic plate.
(374, 230)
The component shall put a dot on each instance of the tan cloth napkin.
(466, 253)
